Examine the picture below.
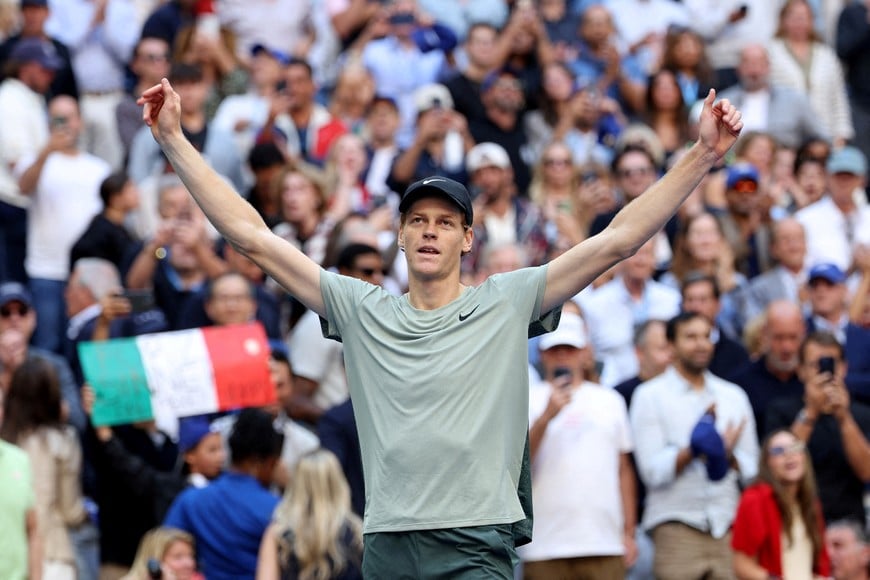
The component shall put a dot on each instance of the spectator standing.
(149, 63)
(481, 52)
(801, 61)
(33, 420)
(34, 15)
(695, 437)
(107, 236)
(17, 316)
(835, 224)
(779, 530)
(23, 132)
(21, 551)
(834, 427)
(314, 533)
(172, 549)
(229, 517)
(616, 308)
(101, 38)
(774, 375)
(63, 183)
(783, 112)
(853, 31)
(580, 442)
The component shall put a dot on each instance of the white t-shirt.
(318, 359)
(575, 475)
(66, 198)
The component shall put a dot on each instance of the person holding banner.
(439, 376)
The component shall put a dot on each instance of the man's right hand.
(161, 110)
(815, 395)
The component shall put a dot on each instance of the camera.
(140, 300)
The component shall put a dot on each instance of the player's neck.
(431, 294)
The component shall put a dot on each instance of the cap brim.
(419, 193)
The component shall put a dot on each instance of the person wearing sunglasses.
(779, 530)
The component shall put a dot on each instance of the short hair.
(679, 320)
(98, 275)
(697, 277)
(113, 185)
(349, 254)
(209, 289)
(632, 148)
(642, 330)
(851, 524)
(296, 61)
(264, 155)
(254, 436)
(821, 338)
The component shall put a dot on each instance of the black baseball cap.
(439, 186)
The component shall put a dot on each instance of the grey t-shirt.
(440, 397)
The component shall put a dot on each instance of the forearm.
(856, 447)
(28, 180)
(803, 425)
(746, 568)
(406, 163)
(209, 261)
(856, 309)
(34, 545)
(302, 408)
(628, 495)
(141, 273)
(684, 458)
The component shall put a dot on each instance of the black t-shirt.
(104, 239)
(840, 490)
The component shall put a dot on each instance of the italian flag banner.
(177, 374)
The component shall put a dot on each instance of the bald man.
(774, 375)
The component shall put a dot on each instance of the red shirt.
(757, 530)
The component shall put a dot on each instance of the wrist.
(807, 416)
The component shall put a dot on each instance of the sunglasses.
(779, 450)
(635, 171)
(557, 161)
(745, 186)
(155, 57)
(8, 310)
(369, 272)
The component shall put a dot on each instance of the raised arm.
(234, 217)
(642, 218)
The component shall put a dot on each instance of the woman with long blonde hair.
(169, 548)
(779, 529)
(314, 535)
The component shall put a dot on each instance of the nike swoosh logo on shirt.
(462, 317)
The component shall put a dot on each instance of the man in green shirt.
(21, 547)
(438, 376)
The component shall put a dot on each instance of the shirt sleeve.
(656, 457)
(750, 524)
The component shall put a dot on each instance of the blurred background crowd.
(738, 338)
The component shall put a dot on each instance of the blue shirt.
(227, 519)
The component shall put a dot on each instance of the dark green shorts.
(452, 553)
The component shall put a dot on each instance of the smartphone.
(154, 570)
(827, 364)
(140, 300)
(744, 8)
(560, 372)
(281, 86)
(58, 123)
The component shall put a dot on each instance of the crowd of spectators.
(738, 337)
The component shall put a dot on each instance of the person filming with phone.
(835, 428)
(580, 442)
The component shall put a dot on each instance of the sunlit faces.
(557, 82)
(850, 557)
(789, 244)
(434, 238)
(300, 199)
(17, 316)
(826, 298)
(231, 300)
(813, 351)
(704, 238)
(786, 458)
(782, 335)
(208, 456)
(635, 172)
(754, 67)
(693, 349)
(796, 20)
(665, 93)
(700, 296)
(282, 378)
(179, 559)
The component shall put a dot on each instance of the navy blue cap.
(36, 50)
(278, 55)
(439, 186)
(830, 272)
(14, 292)
(192, 430)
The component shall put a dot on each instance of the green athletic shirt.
(440, 396)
